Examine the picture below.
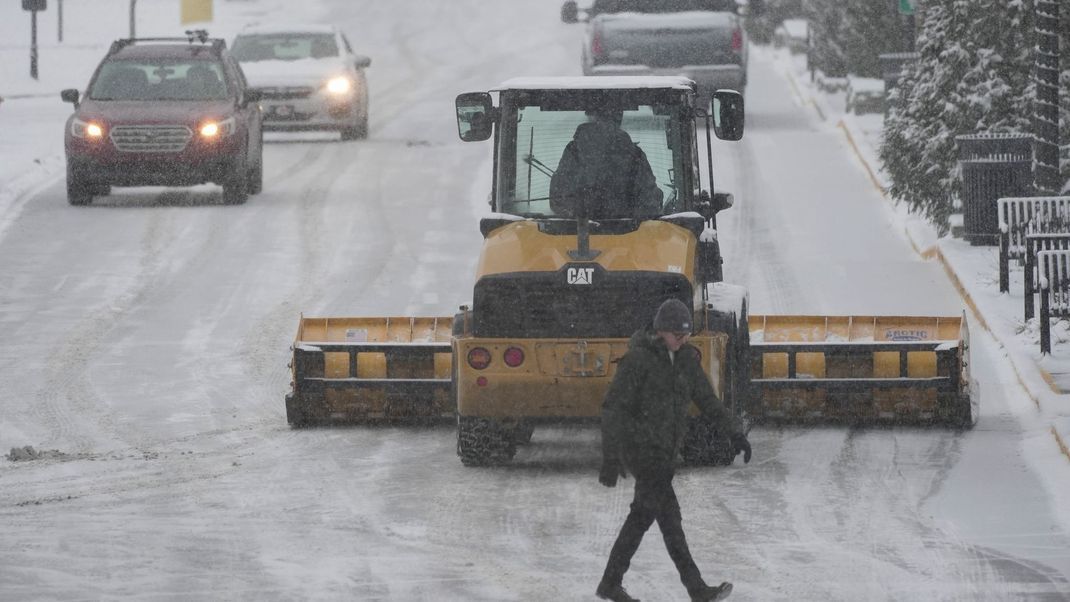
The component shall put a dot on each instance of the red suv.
(165, 112)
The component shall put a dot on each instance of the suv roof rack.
(198, 38)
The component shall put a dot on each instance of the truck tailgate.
(668, 40)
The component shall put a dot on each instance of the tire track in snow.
(67, 397)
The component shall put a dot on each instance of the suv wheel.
(256, 172)
(79, 192)
(358, 130)
(236, 188)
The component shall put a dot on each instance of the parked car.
(309, 78)
(792, 34)
(164, 112)
(864, 95)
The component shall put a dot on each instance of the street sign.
(195, 11)
(34, 5)
(906, 7)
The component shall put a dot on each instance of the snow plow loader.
(557, 294)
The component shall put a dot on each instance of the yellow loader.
(556, 298)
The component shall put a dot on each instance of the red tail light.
(479, 358)
(737, 40)
(514, 356)
(596, 44)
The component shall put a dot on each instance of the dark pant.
(654, 500)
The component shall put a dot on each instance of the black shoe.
(711, 594)
(615, 593)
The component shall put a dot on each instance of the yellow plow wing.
(855, 369)
(860, 369)
(366, 369)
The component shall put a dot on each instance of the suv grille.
(151, 138)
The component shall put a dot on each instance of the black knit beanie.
(673, 316)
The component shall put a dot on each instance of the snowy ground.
(145, 345)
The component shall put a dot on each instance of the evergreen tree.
(828, 53)
(972, 76)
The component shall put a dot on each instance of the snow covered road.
(146, 340)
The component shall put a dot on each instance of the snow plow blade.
(370, 370)
(860, 369)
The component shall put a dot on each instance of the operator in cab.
(604, 167)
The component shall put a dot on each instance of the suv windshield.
(159, 79)
(536, 129)
(661, 6)
(284, 47)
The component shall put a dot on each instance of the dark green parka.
(644, 414)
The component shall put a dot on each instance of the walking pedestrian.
(644, 417)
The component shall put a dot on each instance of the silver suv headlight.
(339, 86)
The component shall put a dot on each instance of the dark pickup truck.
(703, 40)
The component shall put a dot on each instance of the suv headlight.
(340, 85)
(90, 130)
(218, 129)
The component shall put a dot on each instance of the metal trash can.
(992, 166)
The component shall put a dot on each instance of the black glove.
(609, 473)
(740, 444)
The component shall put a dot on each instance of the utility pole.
(33, 6)
(59, 21)
(1046, 107)
(133, 19)
(33, 44)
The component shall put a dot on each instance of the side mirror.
(70, 95)
(709, 208)
(360, 61)
(474, 116)
(722, 201)
(728, 116)
(253, 95)
(570, 12)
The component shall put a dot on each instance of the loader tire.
(741, 398)
(737, 390)
(704, 445)
(483, 442)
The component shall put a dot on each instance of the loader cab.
(536, 119)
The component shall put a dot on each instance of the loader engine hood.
(527, 285)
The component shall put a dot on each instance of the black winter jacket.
(604, 165)
(644, 414)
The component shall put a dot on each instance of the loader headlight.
(89, 130)
(340, 85)
(218, 129)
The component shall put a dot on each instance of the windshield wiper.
(543, 168)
